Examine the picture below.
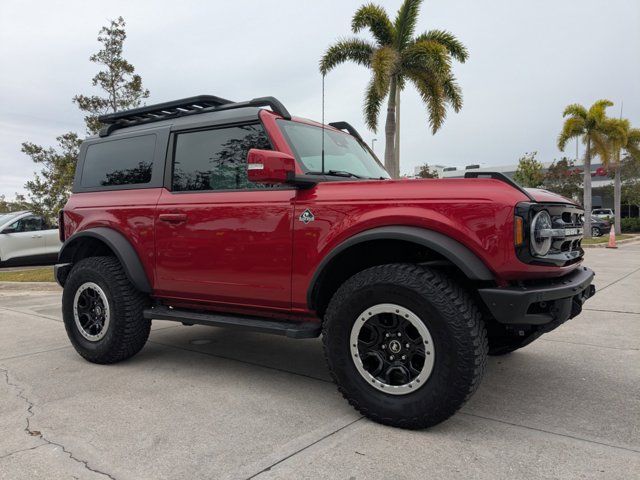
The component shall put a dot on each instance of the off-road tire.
(453, 320)
(128, 329)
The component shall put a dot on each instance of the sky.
(528, 60)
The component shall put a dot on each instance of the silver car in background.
(26, 238)
(602, 213)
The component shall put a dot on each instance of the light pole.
(373, 141)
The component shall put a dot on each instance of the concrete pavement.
(201, 402)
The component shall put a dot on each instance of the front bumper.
(556, 300)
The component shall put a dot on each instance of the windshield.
(344, 155)
(5, 217)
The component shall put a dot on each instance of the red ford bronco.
(206, 211)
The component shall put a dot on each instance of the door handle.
(36, 236)
(174, 218)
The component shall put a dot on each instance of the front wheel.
(595, 232)
(405, 344)
(102, 311)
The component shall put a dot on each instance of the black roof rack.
(181, 108)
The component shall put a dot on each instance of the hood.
(545, 196)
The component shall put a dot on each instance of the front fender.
(451, 249)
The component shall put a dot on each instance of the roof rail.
(181, 108)
(503, 178)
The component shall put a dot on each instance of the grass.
(604, 239)
(44, 274)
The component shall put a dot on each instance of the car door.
(219, 238)
(23, 238)
(52, 241)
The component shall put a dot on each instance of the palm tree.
(590, 125)
(394, 57)
(621, 137)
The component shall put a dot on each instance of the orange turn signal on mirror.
(519, 231)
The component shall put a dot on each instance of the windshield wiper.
(338, 173)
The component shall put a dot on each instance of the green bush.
(629, 225)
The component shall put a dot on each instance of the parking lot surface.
(202, 402)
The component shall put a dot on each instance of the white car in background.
(27, 238)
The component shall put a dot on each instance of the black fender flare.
(120, 246)
(463, 258)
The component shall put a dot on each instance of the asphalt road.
(201, 402)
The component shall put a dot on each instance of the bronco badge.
(307, 216)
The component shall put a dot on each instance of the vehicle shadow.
(299, 357)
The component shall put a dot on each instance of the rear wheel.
(595, 232)
(405, 344)
(102, 311)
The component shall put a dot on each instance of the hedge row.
(629, 225)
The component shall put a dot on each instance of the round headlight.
(540, 245)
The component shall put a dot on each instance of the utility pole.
(621, 105)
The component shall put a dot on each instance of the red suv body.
(227, 214)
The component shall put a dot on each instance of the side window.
(119, 162)
(27, 224)
(216, 159)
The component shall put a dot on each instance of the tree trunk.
(587, 189)
(390, 132)
(617, 197)
(397, 161)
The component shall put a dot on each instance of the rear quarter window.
(127, 161)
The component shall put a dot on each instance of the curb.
(618, 242)
(29, 286)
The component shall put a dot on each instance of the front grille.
(566, 234)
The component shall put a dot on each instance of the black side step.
(256, 324)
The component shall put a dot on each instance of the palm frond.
(401, 81)
(616, 130)
(447, 39)
(573, 127)
(575, 110)
(633, 137)
(600, 146)
(350, 49)
(633, 143)
(597, 111)
(374, 18)
(453, 93)
(384, 65)
(405, 22)
(372, 103)
(427, 56)
(433, 95)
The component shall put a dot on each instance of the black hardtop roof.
(167, 112)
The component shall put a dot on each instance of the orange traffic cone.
(612, 238)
